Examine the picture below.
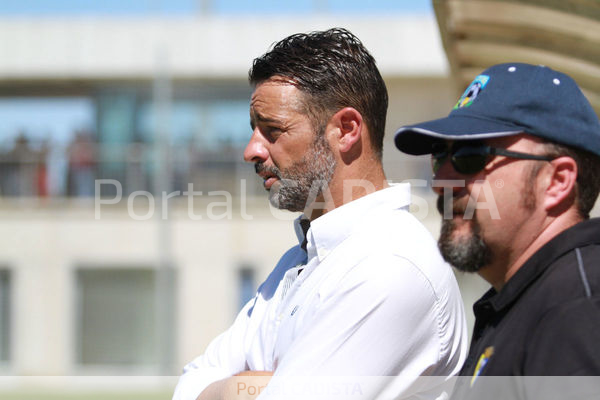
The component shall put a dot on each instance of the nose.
(256, 149)
(446, 176)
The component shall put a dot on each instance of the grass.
(33, 395)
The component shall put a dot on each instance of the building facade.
(132, 231)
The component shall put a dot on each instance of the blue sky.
(190, 7)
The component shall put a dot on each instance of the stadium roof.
(562, 34)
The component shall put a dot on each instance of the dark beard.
(467, 253)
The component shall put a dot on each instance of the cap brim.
(418, 139)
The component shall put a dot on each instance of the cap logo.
(472, 91)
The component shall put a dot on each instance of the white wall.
(205, 47)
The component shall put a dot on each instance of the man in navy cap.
(517, 170)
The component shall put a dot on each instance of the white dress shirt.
(373, 298)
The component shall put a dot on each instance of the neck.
(501, 271)
(348, 185)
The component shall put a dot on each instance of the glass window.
(58, 146)
(207, 138)
(231, 124)
(5, 300)
(209, 126)
(116, 317)
(54, 119)
(34, 137)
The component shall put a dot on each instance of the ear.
(348, 124)
(561, 181)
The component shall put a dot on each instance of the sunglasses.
(471, 157)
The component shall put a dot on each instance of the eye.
(272, 132)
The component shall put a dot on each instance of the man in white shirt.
(365, 294)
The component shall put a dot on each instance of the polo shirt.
(545, 321)
(371, 297)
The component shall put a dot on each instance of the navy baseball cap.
(508, 99)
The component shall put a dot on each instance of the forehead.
(276, 95)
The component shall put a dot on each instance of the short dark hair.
(334, 70)
(588, 178)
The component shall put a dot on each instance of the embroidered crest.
(472, 91)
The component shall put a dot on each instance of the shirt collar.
(579, 235)
(300, 234)
(332, 228)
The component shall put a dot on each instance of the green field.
(36, 395)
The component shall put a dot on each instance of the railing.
(71, 171)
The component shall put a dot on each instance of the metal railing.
(71, 171)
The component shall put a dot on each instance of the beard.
(468, 252)
(302, 182)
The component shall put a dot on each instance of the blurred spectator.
(138, 167)
(19, 167)
(42, 170)
(82, 165)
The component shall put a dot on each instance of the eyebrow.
(262, 118)
(256, 116)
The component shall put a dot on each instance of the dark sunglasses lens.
(469, 160)
(439, 154)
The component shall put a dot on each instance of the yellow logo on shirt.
(483, 360)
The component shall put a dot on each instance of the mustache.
(260, 167)
(449, 203)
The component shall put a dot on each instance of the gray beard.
(467, 253)
(301, 183)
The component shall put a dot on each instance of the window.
(5, 317)
(35, 135)
(116, 317)
(207, 125)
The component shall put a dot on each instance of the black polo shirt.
(546, 318)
